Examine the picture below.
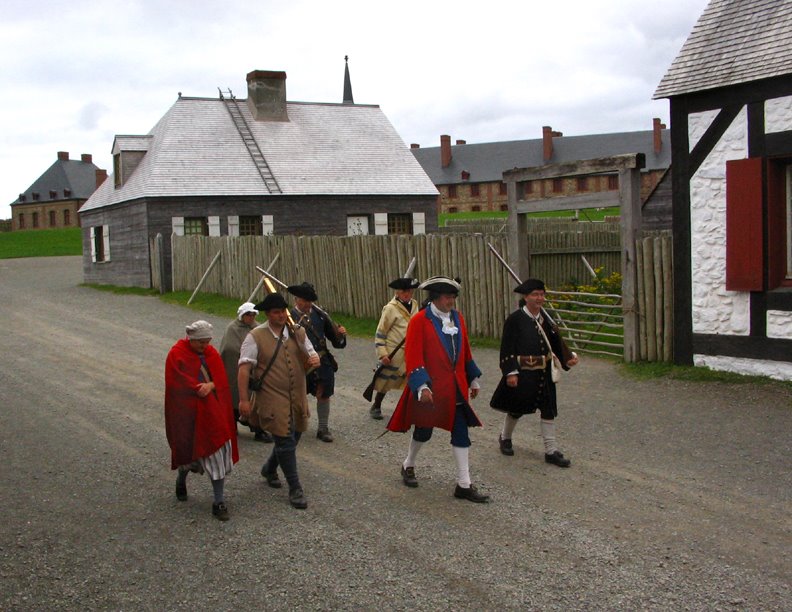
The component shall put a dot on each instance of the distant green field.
(591, 214)
(41, 243)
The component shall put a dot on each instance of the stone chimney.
(63, 155)
(445, 151)
(101, 176)
(87, 158)
(267, 95)
(547, 142)
(658, 128)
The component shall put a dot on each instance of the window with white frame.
(196, 226)
(100, 243)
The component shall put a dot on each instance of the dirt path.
(678, 497)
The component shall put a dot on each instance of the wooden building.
(730, 92)
(469, 177)
(260, 165)
(55, 197)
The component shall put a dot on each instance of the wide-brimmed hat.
(529, 285)
(404, 283)
(273, 300)
(199, 330)
(304, 290)
(246, 308)
(442, 285)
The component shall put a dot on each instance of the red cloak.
(427, 360)
(196, 427)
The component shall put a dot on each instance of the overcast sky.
(77, 72)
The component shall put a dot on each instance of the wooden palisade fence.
(351, 273)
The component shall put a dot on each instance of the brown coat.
(281, 405)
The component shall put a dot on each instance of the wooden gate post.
(630, 197)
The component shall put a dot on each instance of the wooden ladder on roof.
(250, 142)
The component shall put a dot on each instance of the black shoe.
(263, 436)
(271, 477)
(408, 476)
(376, 413)
(220, 511)
(297, 499)
(505, 446)
(557, 458)
(181, 491)
(324, 435)
(471, 494)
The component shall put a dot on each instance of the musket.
(321, 311)
(514, 276)
(368, 393)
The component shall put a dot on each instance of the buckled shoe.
(408, 476)
(220, 511)
(557, 458)
(471, 494)
(505, 446)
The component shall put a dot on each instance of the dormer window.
(35, 195)
(53, 194)
(117, 170)
(67, 193)
(22, 197)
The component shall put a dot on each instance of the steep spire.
(347, 83)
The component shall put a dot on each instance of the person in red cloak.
(199, 418)
(441, 375)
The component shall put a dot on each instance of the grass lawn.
(41, 243)
(590, 214)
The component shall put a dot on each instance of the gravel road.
(678, 496)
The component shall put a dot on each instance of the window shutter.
(178, 225)
(380, 224)
(214, 226)
(93, 243)
(419, 223)
(776, 224)
(267, 225)
(106, 242)
(233, 225)
(744, 242)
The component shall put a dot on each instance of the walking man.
(530, 338)
(441, 376)
(389, 337)
(320, 329)
(274, 354)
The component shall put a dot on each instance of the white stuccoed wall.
(779, 324)
(715, 310)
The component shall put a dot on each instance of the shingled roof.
(70, 179)
(323, 149)
(486, 162)
(734, 41)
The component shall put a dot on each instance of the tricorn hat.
(529, 285)
(273, 300)
(304, 290)
(442, 285)
(404, 283)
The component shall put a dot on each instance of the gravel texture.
(678, 496)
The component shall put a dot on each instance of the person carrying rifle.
(389, 341)
(530, 338)
(319, 328)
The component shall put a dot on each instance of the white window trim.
(92, 240)
(106, 241)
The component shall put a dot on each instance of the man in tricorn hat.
(441, 377)
(320, 329)
(390, 333)
(529, 340)
(274, 353)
